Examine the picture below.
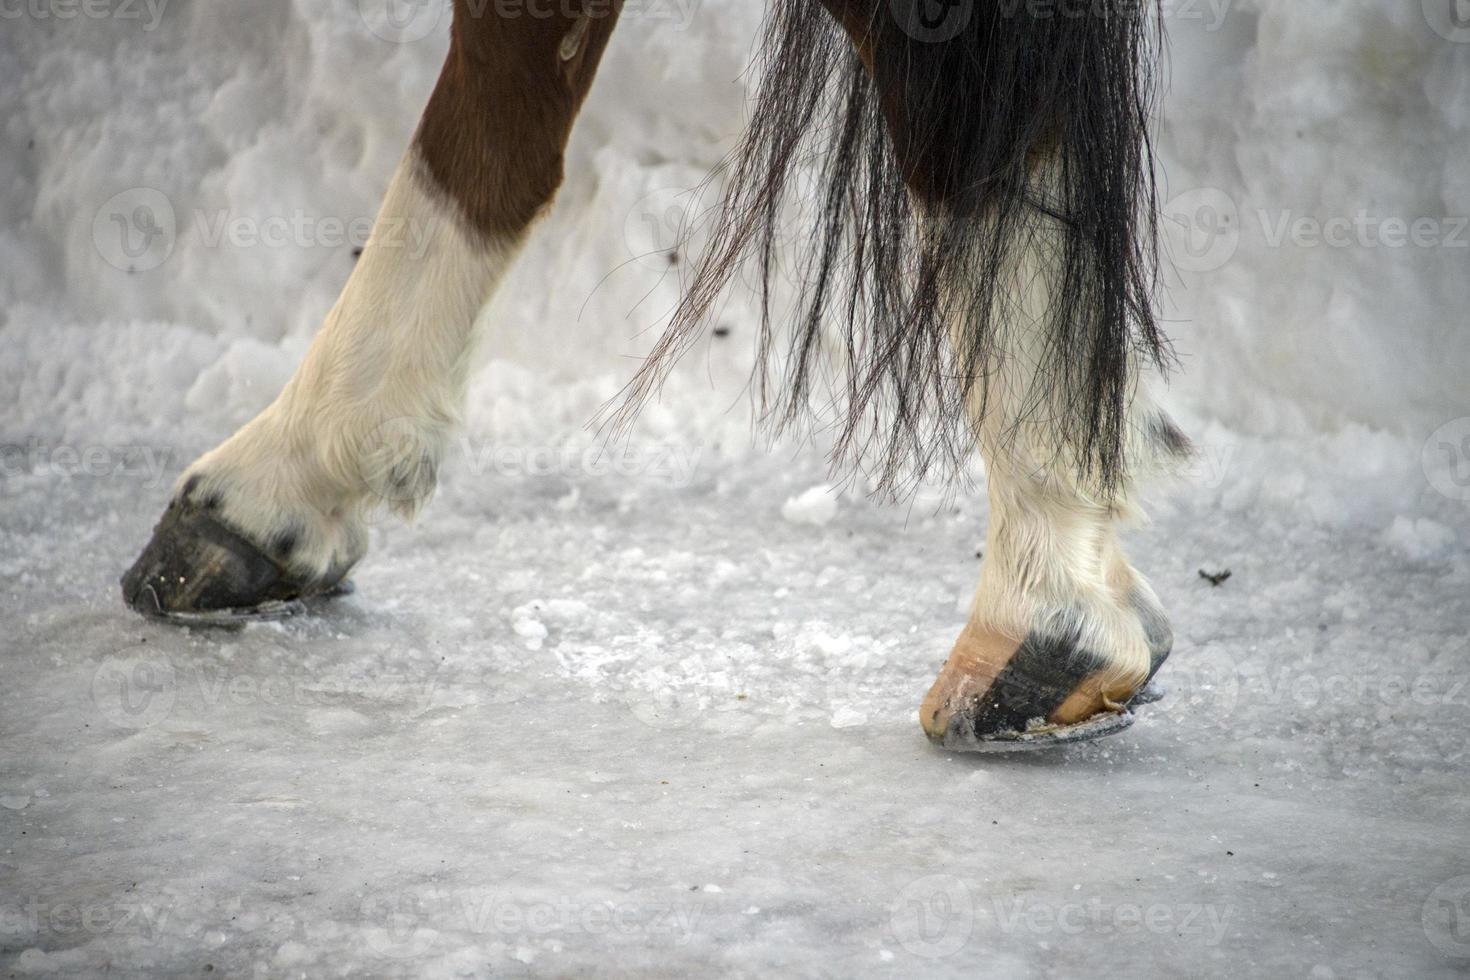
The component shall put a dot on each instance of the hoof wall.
(1152, 692)
(1000, 694)
(200, 571)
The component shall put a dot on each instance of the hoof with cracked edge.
(197, 569)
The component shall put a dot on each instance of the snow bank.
(1316, 181)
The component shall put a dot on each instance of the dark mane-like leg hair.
(938, 165)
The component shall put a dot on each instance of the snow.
(816, 506)
(650, 711)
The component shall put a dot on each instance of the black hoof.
(198, 569)
(1158, 632)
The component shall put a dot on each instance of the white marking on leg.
(1052, 559)
(365, 419)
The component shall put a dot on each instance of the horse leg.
(1063, 633)
(277, 511)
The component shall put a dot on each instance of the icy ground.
(591, 725)
(660, 722)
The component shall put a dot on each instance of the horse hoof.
(1041, 736)
(198, 570)
(998, 695)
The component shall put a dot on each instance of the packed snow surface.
(650, 710)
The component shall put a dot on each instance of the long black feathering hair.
(939, 152)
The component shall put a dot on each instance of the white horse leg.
(1062, 629)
